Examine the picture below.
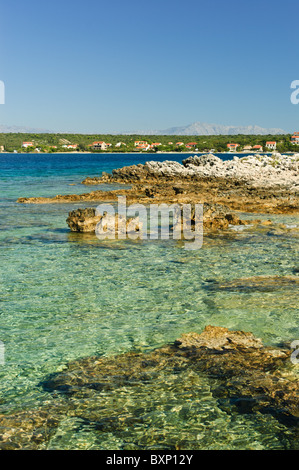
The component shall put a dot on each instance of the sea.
(66, 296)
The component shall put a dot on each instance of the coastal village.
(143, 145)
(41, 145)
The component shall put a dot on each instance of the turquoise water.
(64, 296)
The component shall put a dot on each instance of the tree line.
(217, 143)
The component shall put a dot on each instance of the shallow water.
(65, 295)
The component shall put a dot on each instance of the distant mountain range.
(202, 128)
(197, 128)
(22, 130)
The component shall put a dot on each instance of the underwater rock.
(243, 375)
(258, 283)
(219, 338)
(241, 364)
(28, 429)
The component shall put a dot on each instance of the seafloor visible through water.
(65, 296)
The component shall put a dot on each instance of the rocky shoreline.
(256, 170)
(260, 184)
(244, 376)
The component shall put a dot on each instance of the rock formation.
(244, 375)
(215, 217)
(87, 220)
(258, 170)
(256, 183)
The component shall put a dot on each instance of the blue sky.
(111, 66)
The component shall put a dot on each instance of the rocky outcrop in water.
(83, 220)
(249, 184)
(215, 217)
(244, 375)
(87, 220)
(257, 170)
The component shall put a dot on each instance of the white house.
(233, 147)
(271, 145)
(100, 145)
(70, 146)
(27, 144)
(143, 146)
(137, 143)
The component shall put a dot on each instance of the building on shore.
(233, 147)
(137, 143)
(25, 145)
(142, 146)
(295, 138)
(70, 146)
(271, 145)
(100, 145)
(191, 145)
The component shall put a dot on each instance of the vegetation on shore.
(51, 143)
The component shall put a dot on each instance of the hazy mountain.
(201, 128)
(22, 130)
(197, 128)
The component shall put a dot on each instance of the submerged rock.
(217, 338)
(257, 283)
(244, 375)
(243, 367)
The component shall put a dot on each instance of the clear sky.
(100, 66)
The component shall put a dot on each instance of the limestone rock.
(242, 373)
(83, 220)
(218, 338)
(86, 220)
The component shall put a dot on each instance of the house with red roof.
(271, 145)
(100, 145)
(140, 142)
(191, 144)
(70, 146)
(27, 144)
(143, 146)
(295, 138)
(155, 144)
(233, 147)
